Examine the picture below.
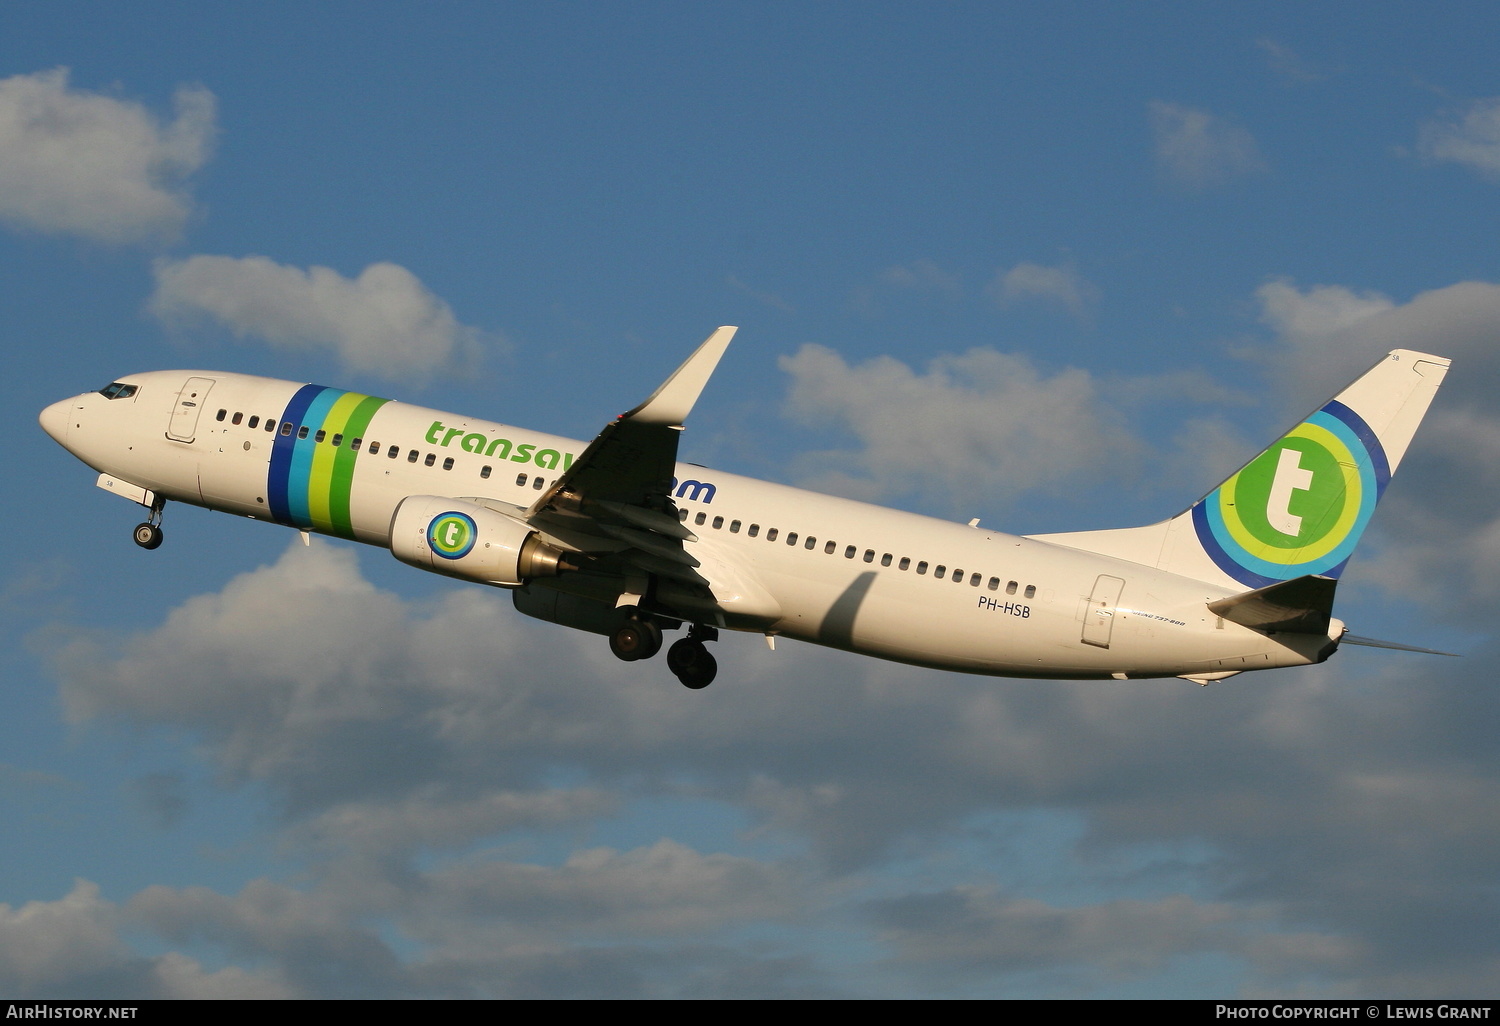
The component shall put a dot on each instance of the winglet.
(673, 401)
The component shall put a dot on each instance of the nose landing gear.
(148, 535)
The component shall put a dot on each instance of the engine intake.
(464, 539)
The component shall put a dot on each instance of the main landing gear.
(148, 535)
(689, 659)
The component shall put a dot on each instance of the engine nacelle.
(595, 615)
(464, 539)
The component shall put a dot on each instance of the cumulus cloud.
(412, 746)
(81, 163)
(74, 947)
(1062, 285)
(1200, 150)
(1473, 140)
(385, 321)
(981, 424)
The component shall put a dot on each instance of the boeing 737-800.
(618, 538)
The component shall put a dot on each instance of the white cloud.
(1473, 141)
(398, 737)
(74, 947)
(924, 276)
(1060, 284)
(385, 321)
(1288, 63)
(983, 424)
(81, 163)
(1200, 150)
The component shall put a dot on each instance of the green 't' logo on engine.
(452, 535)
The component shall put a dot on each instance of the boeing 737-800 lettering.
(618, 538)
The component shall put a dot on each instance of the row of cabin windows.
(886, 559)
(393, 451)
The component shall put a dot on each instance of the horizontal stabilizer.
(1302, 605)
(1353, 639)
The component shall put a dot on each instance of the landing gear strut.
(148, 535)
(690, 660)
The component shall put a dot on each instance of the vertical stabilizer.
(1300, 507)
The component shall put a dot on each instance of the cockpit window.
(117, 390)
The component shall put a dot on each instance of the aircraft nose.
(54, 421)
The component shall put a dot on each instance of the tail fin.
(1298, 508)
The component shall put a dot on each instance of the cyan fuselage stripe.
(300, 468)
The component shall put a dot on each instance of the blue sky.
(1059, 266)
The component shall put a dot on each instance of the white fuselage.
(796, 563)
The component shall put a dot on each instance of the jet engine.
(475, 542)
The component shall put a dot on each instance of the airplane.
(618, 538)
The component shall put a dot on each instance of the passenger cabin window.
(885, 560)
(448, 463)
(940, 571)
(254, 423)
(537, 482)
(338, 439)
(320, 435)
(302, 431)
(869, 555)
(286, 428)
(922, 567)
(431, 459)
(411, 457)
(754, 530)
(718, 523)
(734, 527)
(236, 418)
(974, 580)
(1010, 589)
(521, 480)
(994, 584)
(771, 534)
(791, 539)
(1031, 591)
(393, 452)
(830, 547)
(700, 518)
(221, 415)
(356, 444)
(905, 563)
(270, 424)
(485, 471)
(849, 552)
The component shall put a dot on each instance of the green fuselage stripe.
(342, 481)
(320, 477)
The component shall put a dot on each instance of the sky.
(1060, 266)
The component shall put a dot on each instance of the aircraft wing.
(619, 490)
